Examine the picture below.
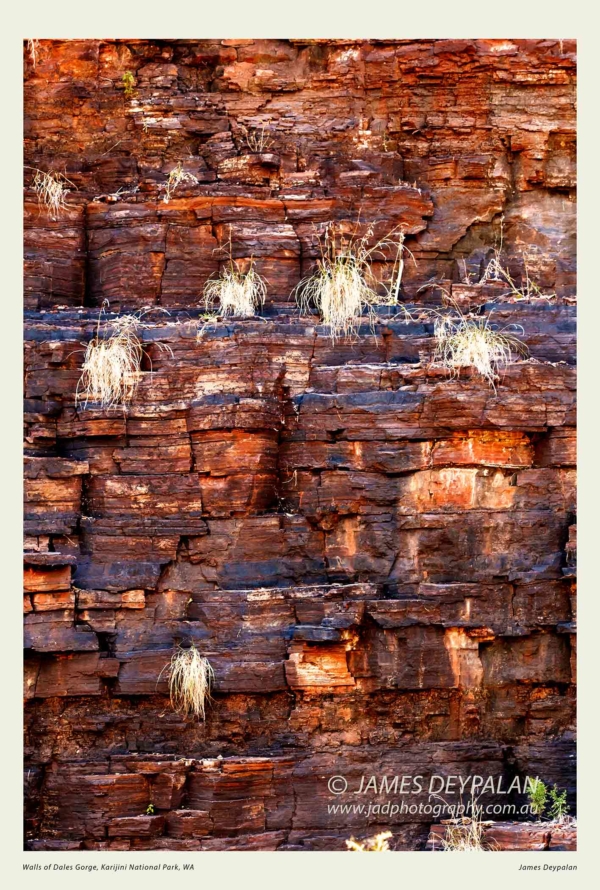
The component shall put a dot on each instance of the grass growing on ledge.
(473, 342)
(175, 178)
(190, 678)
(344, 288)
(51, 189)
(376, 844)
(497, 271)
(113, 358)
(234, 292)
(111, 367)
(466, 834)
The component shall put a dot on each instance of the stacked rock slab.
(377, 558)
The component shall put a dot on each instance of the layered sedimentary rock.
(376, 556)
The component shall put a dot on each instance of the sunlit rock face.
(376, 554)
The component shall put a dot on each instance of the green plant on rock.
(537, 794)
(558, 808)
(150, 810)
(128, 82)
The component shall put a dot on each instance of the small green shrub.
(128, 81)
(549, 801)
(537, 794)
(558, 808)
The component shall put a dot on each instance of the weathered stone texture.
(378, 558)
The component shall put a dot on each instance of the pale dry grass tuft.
(175, 178)
(376, 844)
(496, 271)
(466, 834)
(258, 141)
(344, 288)
(472, 342)
(111, 367)
(234, 292)
(112, 364)
(32, 48)
(51, 189)
(190, 678)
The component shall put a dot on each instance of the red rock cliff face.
(377, 558)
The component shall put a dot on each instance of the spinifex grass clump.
(465, 835)
(190, 678)
(51, 189)
(113, 359)
(235, 292)
(111, 367)
(176, 177)
(376, 844)
(465, 342)
(344, 287)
